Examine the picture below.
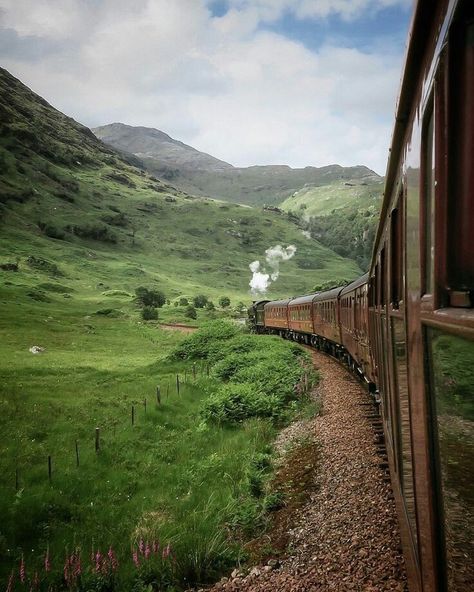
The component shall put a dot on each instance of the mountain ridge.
(253, 185)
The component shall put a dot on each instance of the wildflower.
(136, 561)
(166, 551)
(141, 546)
(147, 550)
(112, 559)
(10, 582)
(155, 546)
(67, 570)
(98, 561)
(22, 570)
(76, 561)
(47, 561)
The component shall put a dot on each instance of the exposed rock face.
(146, 142)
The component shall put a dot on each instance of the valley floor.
(345, 534)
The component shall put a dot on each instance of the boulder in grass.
(37, 349)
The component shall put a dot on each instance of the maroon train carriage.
(276, 316)
(301, 318)
(353, 311)
(421, 299)
(326, 330)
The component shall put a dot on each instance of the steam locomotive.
(407, 326)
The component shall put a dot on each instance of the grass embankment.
(182, 475)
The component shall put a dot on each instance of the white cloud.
(220, 84)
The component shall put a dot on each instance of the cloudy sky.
(298, 82)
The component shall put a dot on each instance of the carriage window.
(396, 243)
(427, 219)
(404, 436)
(450, 362)
(461, 203)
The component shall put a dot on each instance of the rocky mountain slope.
(201, 174)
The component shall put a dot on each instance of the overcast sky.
(298, 82)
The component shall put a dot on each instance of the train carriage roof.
(302, 300)
(273, 303)
(355, 284)
(328, 295)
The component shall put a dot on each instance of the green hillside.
(200, 174)
(98, 221)
(342, 215)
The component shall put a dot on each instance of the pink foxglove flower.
(147, 551)
(141, 546)
(155, 546)
(10, 582)
(136, 561)
(112, 559)
(22, 570)
(166, 551)
(47, 561)
(98, 561)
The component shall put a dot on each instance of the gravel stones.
(345, 536)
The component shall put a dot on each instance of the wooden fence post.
(97, 439)
(133, 415)
(158, 395)
(77, 454)
(177, 383)
(50, 469)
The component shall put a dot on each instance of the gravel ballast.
(345, 536)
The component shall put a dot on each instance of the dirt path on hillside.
(178, 327)
(342, 535)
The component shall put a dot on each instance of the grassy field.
(171, 477)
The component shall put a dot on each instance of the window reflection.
(405, 452)
(452, 369)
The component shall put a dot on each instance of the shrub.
(210, 305)
(44, 265)
(149, 313)
(233, 403)
(153, 298)
(183, 301)
(51, 231)
(199, 344)
(190, 312)
(224, 301)
(200, 301)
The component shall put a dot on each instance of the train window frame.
(427, 220)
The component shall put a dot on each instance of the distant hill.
(200, 174)
(342, 215)
(148, 143)
(71, 208)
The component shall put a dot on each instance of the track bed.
(345, 536)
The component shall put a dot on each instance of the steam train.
(407, 326)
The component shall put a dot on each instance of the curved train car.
(408, 325)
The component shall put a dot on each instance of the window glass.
(405, 461)
(451, 363)
(428, 198)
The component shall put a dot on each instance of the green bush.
(149, 313)
(199, 344)
(190, 312)
(233, 403)
(200, 301)
(224, 301)
(153, 298)
(183, 301)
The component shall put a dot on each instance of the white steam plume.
(264, 275)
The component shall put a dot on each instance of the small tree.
(224, 301)
(146, 297)
(210, 305)
(149, 313)
(183, 301)
(200, 301)
(190, 312)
